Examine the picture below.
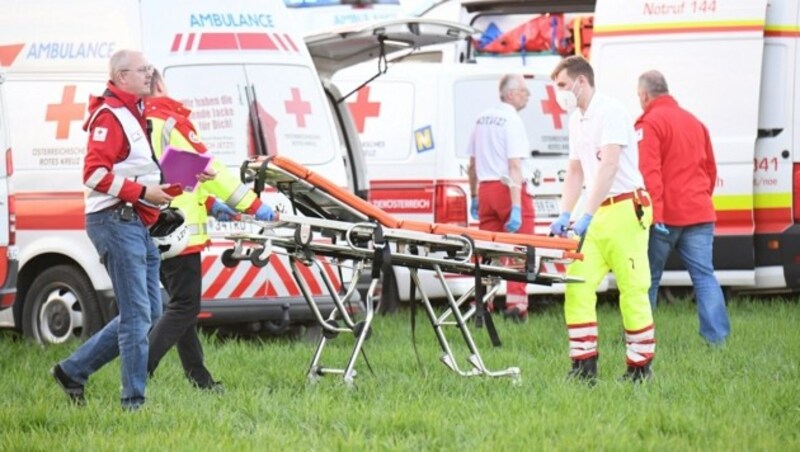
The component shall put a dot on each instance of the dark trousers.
(182, 278)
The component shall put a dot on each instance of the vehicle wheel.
(256, 257)
(390, 296)
(228, 259)
(61, 304)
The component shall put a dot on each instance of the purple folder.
(182, 167)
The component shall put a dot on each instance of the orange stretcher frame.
(329, 221)
(570, 246)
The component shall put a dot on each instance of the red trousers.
(494, 208)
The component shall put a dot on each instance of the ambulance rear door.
(253, 90)
(395, 144)
(777, 172)
(711, 54)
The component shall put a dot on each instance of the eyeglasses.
(144, 69)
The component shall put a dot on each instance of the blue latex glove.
(560, 226)
(473, 208)
(265, 213)
(582, 225)
(222, 212)
(514, 220)
(661, 229)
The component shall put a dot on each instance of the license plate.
(546, 207)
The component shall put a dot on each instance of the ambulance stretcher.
(331, 222)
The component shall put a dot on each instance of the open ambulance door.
(347, 46)
(711, 54)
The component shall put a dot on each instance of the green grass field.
(743, 396)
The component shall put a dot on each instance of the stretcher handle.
(580, 242)
(352, 228)
(469, 247)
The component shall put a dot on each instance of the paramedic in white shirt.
(497, 145)
(604, 156)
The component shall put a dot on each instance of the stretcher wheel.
(359, 327)
(228, 260)
(256, 260)
(327, 334)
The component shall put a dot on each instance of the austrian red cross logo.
(362, 109)
(298, 107)
(64, 113)
(551, 107)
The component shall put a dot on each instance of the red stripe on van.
(677, 30)
(219, 282)
(244, 284)
(270, 289)
(734, 222)
(782, 34)
(189, 42)
(337, 285)
(217, 41)
(9, 53)
(255, 41)
(772, 219)
(289, 40)
(309, 278)
(285, 277)
(280, 41)
(176, 43)
(50, 211)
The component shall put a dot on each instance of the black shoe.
(210, 386)
(515, 315)
(584, 369)
(73, 389)
(638, 374)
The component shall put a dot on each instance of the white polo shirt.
(606, 121)
(499, 134)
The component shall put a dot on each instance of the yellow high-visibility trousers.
(617, 241)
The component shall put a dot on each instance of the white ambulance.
(415, 122)
(733, 63)
(238, 65)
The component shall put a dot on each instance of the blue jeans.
(132, 261)
(694, 244)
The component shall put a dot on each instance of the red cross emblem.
(298, 107)
(65, 112)
(362, 108)
(550, 107)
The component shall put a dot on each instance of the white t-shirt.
(606, 121)
(499, 134)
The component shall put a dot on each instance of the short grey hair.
(510, 82)
(119, 61)
(653, 83)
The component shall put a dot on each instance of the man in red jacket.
(123, 195)
(677, 162)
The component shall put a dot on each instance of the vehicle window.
(544, 121)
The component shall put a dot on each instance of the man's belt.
(639, 192)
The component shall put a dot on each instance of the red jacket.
(114, 148)
(677, 162)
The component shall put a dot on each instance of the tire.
(61, 305)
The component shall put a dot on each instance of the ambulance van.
(733, 63)
(238, 65)
(415, 122)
